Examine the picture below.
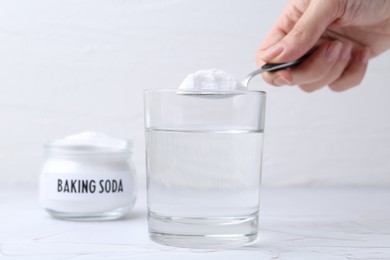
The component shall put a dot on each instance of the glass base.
(203, 233)
(94, 216)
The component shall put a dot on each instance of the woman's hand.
(348, 33)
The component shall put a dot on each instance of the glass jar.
(86, 182)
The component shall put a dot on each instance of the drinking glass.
(203, 164)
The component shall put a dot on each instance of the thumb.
(306, 32)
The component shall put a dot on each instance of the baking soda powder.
(210, 80)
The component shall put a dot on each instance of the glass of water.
(203, 163)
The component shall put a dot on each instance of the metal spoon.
(272, 67)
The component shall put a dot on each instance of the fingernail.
(272, 52)
(333, 51)
(365, 56)
(346, 54)
(279, 81)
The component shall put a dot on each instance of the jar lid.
(89, 143)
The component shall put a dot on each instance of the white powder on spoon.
(210, 80)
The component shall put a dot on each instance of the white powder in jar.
(92, 140)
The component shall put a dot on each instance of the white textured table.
(294, 224)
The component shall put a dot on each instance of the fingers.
(312, 70)
(302, 30)
(309, 28)
(354, 73)
(333, 74)
(340, 65)
(283, 25)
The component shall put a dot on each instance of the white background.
(72, 65)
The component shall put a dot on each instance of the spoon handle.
(272, 67)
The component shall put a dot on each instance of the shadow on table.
(132, 215)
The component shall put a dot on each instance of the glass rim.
(206, 91)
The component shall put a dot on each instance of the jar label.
(67, 186)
